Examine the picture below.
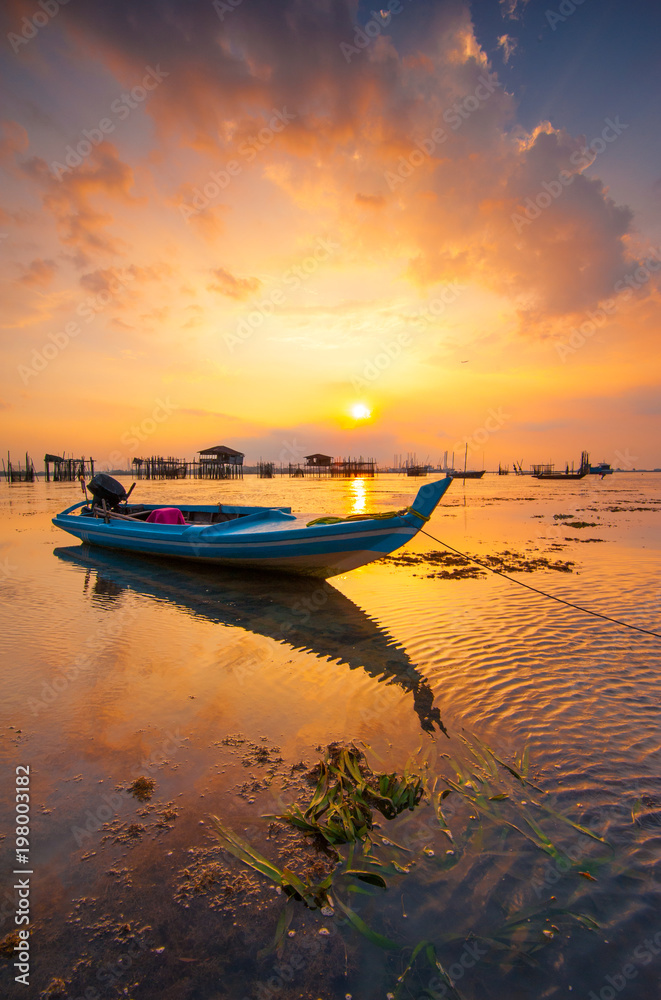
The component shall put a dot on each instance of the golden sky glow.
(236, 224)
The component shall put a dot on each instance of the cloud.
(353, 124)
(81, 226)
(562, 259)
(645, 401)
(101, 280)
(513, 9)
(13, 140)
(38, 274)
(508, 45)
(370, 200)
(541, 426)
(231, 286)
(193, 412)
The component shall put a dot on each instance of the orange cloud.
(38, 274)
(68, 198)
(370, 200)
(235, 288)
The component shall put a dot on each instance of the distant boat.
(559, 475)
(603, 469)
(416, 470)
(467, 474)
(470, 474)
(503, 470)
(548, 471)
(259, 538)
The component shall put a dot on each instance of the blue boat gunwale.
(230, 529)
(207, 508)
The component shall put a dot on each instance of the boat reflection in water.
(309, 615)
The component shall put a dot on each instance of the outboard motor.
(104, 487)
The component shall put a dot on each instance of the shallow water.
(216, 685)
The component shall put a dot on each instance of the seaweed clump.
(340, 812)
(459, 567)
(347, 791)
(142, 788)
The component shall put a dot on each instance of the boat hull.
(321, 558)
(266, 539)
(560, 475)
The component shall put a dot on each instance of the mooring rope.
(386, 514)
(551, 597)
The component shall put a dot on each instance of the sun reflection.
(359, 496)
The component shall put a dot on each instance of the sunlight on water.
(115, 667)
(359, 496)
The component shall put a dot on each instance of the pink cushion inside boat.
(166, 515)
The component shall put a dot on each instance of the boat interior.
(191, 515)
(110, 501)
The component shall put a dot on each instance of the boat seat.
(166, 515)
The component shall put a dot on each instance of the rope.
(367, 517)
(551, 597)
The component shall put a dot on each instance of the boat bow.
(427, 499)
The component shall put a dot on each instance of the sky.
(328, 226)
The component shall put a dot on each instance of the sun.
(360, 412)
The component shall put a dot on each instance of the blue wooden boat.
(262, 538)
